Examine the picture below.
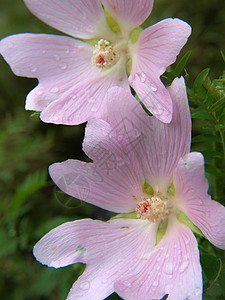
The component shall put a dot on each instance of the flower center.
(154, 208)
(104, 55)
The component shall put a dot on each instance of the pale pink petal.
(110, 250)
(157, 147)
(80, 18)
(157, 48)
(172, 268)
(193, 199)
(109, 182)
(132, 12)
(86, 100)
(58, 62)
(72, 88)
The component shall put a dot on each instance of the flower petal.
(150, 144)
(172, 268)
(72, 88)
(79, 18)
(132, 12)
(157, 48)
(193, 199)
(109, 182)
(86, 100)
(58, 62)
(110, 250)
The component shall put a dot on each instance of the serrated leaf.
(180, 66)
(213, 170)
(205, 138)
(197, 87)
(218, 105)
(200, 113)
(31, 184)
(211, 265)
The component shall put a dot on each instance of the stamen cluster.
(154, 208)
(104, 55)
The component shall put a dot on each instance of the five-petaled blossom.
(75, 74)
(152, 174)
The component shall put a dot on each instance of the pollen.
(104, 55)
(154, 208)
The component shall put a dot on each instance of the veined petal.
(110, 250)
(158, 146)
(71, 90)
(79, 18)
(131, 12)
(87, 99)
(59, 63)
(192, 198)
(172, 268)
(157, 48)
(109, 182)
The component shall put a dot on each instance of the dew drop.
(54, 90)
(169, 268)
(198, 291)
(126, 284)
(67, 51)
(81, 250)
(183, 266)
(33, 70)
(54, 118)
(167, 289)
(91, 100)
(84, 286)
(10, 45)
(104, 281)
(154, 89)
(142, 77)
(39, 93)
(57, 58)
(94, 109)
(63, 66)
(155, 283)
(43, 51)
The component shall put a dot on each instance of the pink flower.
(140, 165)
(74, 76)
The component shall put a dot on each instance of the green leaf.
(198, 88)
(211, 266)
(200, 113)
(180, 66)
(205, 138)
(31, 184)
(218, 105)
(213, 170)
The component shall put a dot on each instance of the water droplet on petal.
(33, 70)
(10, 45)
(43, 51)
(84, 286)
(63, 66)
(54, 90)
(39, 93)
(198, 291)
(184, 266)
(57, 58)
(91, 100)
(142, 77)
(67, 51)
(169, 268)
(126, 283)
(155, 283)
(94, 109)
(154, 89)
(167, 289)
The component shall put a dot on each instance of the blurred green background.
(30, 203)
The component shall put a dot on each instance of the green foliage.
(30, 203)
